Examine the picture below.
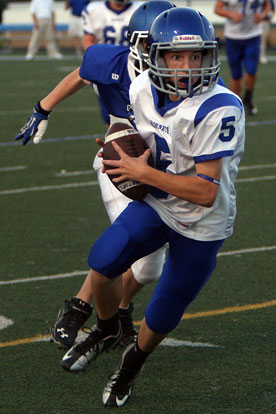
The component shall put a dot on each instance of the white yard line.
(84, 272)
(48, 187)
(89, 183)
(254, 179)
(256, 167)
(16, 168)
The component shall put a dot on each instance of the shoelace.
(120, 381)
(91, 342)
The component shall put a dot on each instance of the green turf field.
(51, 213)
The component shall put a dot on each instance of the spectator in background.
(243, 30)
(75, 30)
(3, 6)
(43, 15)
(266, 27)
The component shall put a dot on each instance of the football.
(134, 145)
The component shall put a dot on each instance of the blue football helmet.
(122, 2)
(138, 30)
(183, 29)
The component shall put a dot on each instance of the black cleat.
(250, 108)
(82, 354)
(129, 333)
(69, 320)
(120, 384)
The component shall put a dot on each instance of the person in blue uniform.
(75, 30)
(109, 69)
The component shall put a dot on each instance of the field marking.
(89, 183)
(47, 187)
(85, 272)
(203, 314)
(65, 173)
(5, 322)
(41, 278)
(177, 342)
(16, 168)
(92, 108)
(100, 135)
(256, 167)
(54, 140)
(232, 309)
(254, 179)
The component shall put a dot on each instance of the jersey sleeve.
(216, 128)
(103, 63)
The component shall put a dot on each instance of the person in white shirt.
(243, 30)
(107, 22)
(43, 15)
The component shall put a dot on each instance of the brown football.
(134, 145)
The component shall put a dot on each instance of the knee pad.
(149, 268)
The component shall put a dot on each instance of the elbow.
(209, 197)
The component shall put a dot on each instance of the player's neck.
(174, 98)
(116, 6)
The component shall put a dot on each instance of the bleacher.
(17, 35)
(17, 25)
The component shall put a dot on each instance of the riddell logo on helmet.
(187, 38)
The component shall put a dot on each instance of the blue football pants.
(139, 231)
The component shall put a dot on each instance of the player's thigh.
(235, 55)
(189, 265)
(252, 53)
(137, 232)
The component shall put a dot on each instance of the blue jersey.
(106, 66)
(77, 6)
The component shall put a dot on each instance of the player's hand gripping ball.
(133, 145)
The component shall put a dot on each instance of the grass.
(49, 232)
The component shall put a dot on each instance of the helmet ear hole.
(138, 30)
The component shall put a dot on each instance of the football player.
(107, 22)
(195, 130)
(243, 29)
(100, 64)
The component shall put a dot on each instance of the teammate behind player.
(99, 63)
(107, 22)
(195, 130)
(242, 32)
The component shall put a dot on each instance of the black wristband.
(41, 110)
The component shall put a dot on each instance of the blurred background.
(16, 24)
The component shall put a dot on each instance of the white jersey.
(42, 9)
(247, 28)
(186, 132)
(108, 25)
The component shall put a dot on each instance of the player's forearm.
(266, 10)
(193, 189)
(88, 40)
(220, 10)
(70, 85)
